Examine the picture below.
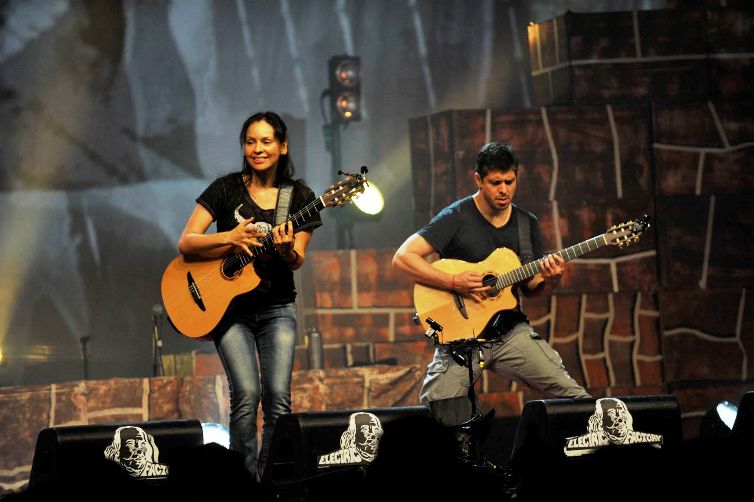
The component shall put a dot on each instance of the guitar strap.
(285, 194)
(525, 251)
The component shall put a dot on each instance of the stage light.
(370, 201)
(718, 421)
(216, 433)
(727, 413)
(345, 88)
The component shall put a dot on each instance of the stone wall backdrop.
(640, 112)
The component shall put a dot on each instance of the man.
(470, 229)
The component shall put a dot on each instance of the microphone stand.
(85, 355)
(157, 367)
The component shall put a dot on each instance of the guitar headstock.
(623, 234)
(345, 189)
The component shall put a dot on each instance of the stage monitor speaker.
(67, 455)
(305, 445)
(574, 427)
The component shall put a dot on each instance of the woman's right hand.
(244, 235)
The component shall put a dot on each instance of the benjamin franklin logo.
(136, 452)
(611, 423)
(358, 444)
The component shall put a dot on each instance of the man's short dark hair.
(496, 156)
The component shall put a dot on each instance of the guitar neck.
(531, 269)
(297, 219)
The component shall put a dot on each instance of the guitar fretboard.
(531, 269)
(298, 219)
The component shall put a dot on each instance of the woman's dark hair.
(496, 156)
(285, 167)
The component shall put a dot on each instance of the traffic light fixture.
(345, 88)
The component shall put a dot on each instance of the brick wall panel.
(443, 167)
(688, 25)
(569, 352)
(650, 372)
(406, 329)
(711, 312)
(307, 391)
(354, 328)
(690, 124)
(730, 263)
(621, 360)
(681, 240)
(639, 274)
(70, 403)
(729, 172)
(163, 398)
(101, 394)
(198, 398)
(343, 390)
(735, 118)
(399, 388)
(536, 308)
(676, 171)
(332, 279)
(469, 135)
(421, 169)
(418, 353)
(379, 284)
(335, 356)
(623, 306)
(301, 359)
(31, 405)
(593, 336)
(207, 363)
(361, 353)
(567, 315)
(523, 129)
(649, 336)
(597, 372)
(687, 358)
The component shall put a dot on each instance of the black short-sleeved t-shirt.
(461, 232)
(229, 203)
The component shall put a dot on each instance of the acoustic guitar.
(197, 291)
(451, 316)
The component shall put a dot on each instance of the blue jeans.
(270, 334)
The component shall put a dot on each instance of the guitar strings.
(532, 268)
(212, 278)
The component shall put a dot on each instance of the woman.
(259, 330)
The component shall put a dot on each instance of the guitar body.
(215, 292)
(196, 292)
(440, 305)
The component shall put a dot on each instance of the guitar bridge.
(194, 290)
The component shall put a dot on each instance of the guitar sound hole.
(494, 291)
(231, 267)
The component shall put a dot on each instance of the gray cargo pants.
(521, 354)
